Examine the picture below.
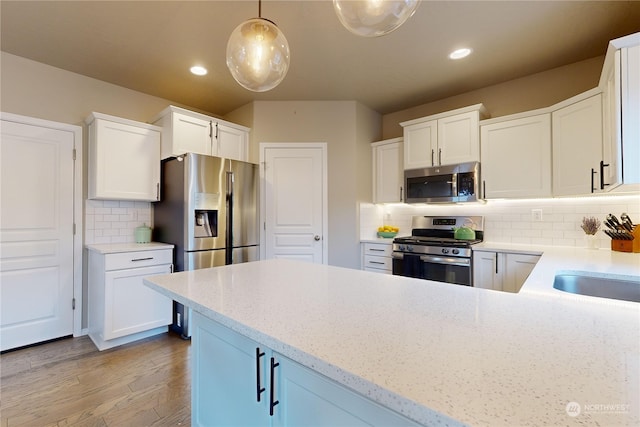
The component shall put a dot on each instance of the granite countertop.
(437, 353)
(114, 248)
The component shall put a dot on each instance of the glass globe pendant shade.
(258, 55)
(374, 18)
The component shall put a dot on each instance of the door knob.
(316, 237)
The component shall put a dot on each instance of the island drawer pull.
(259, 388)
(142, 259)
(272, 402)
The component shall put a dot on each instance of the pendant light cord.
(259, 8)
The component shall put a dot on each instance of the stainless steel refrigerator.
(209, 211)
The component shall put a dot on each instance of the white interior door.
(36, 233)
(294, 201)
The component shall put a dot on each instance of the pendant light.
(258, 54)
(374, 18)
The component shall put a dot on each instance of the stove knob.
(445, 250)
(455, 251)
(401, 247)
(409, 248)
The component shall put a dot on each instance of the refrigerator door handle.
(229, 231)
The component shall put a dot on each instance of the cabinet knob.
(316, 238)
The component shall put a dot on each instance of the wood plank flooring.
(70, 383)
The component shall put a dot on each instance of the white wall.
(510, 221)
(348, 129)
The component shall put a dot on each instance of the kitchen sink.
(624, 288)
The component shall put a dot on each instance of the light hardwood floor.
(70, 383)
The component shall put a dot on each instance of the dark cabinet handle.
(272, 402)
(259, 388)
(602, 166)
(593, 172)
(496, 263)
(432, 153)
(439, 156)
(401, 194)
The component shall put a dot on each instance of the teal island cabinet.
(289, 343)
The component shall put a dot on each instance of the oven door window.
(448, 270)
(427, 187)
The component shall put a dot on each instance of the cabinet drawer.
(137, 259)
(377, 249)
(378, 262)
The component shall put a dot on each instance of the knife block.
(627, 245)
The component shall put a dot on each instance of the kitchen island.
(436, 353)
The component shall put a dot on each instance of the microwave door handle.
(454, 184)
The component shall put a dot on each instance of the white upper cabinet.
(577, 146)
(185, 131)
(387, 171)
(515, 156)
(233, 142)
(620, 85)
(124, 159)
(443, 139)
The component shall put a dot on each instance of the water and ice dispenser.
(205, 223)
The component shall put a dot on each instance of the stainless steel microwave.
(443, 184)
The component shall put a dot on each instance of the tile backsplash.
(113, 221)
(511, 221)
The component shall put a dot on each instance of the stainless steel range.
(433, 253)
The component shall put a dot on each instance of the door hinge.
(74, 154)
(73, 304)
(74, 228)
(264, 226)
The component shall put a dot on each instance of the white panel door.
(36, 234)
(294, 180)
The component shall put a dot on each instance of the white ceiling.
(148, 46)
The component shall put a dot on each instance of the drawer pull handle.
(376, 262)
(272, 401)
(376, 250)
(141, 259)
(259, 389)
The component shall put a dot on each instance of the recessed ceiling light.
(198, 70)
(460, 53)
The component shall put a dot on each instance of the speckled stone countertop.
(439, 354)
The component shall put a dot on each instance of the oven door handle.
(465, 262)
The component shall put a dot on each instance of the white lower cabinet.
(121, 308)
(376, 257)
(502, 271)
(237, 382)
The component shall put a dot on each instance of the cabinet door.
(577, 146)
(191, 135)
(124, 161)
(132, 307)
(309, 398)
(611, 127)
(516, 158)
(232, 143)
(458, 139)
(224, 378)
(420, 142)
(630, 86)
(517, 269)
(487, 270)
(388, 173)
